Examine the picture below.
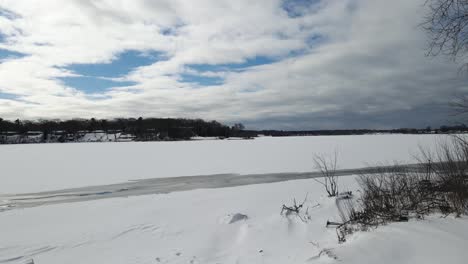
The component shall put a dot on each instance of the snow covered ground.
(43, 167)
(195, 226)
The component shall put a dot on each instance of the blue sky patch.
(125, 63)
(8, 14)
(94, 77)
(296, 8)
(91, 84)
(315, 39)
(8, 96)
(213, 80)
(201, 80)
(256, 61)
(8, 54)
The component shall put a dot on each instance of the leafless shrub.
(297, 210)
(294, 209)
(439, 183)
(327, 167)
(392, 195)
(448, 166)
(346, 229)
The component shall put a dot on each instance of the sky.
(270, 64)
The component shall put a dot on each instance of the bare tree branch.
(327, 166)
(447, 26)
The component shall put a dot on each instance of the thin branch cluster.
(297, 210)
(447, 25)
(327, 166)
(437, 184)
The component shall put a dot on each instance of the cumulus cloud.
(332, 64)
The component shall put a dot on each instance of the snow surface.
(43, 167)
(193, 227)
(434, 240)
(197, 226)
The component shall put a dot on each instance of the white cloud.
(368, 61)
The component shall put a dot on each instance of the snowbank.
(434, 240)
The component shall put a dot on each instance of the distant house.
(123, 137)
(34, 133)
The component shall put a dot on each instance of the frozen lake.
(178, 220)
(45, 167)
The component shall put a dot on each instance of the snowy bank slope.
(43, 167)
(434, 240)
(193, 227)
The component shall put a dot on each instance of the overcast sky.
(283, 64)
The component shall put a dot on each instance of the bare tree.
(447, 25)
(327, 166)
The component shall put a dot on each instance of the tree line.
(154, 129)
(141, 128)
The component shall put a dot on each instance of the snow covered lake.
(44, 167)
(197, 226)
